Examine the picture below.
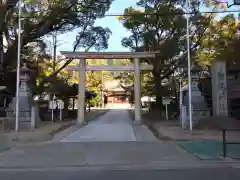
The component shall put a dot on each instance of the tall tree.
(161, 26)
(41, 17)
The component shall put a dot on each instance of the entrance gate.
(82, 68)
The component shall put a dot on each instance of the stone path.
(115, 125)
(110, 141)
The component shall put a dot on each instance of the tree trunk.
(158, 88)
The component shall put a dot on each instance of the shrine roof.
(107, 55)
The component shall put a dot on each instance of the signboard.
(52, 104)
(166, 101)
(56, 104)
(60, 104)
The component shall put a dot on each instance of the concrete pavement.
(115, 125)
(88, 154)
(111, 142)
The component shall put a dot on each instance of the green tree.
(161, 26)
(43, 17)
(220, 42)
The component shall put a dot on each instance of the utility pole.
(2, 17)
(189, 69)
(18, 63)
(54, 50)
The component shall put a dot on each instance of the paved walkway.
(110, 141)
(92, 154)
(115, 125)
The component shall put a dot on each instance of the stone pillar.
(81, 92)
(137, 91)
(219, 89)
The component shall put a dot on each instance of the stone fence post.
(219, 89)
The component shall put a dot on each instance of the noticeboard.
(60, 104)
(52, 104)
(56, 104)
(166, 101)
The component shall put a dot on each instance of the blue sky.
(118, 31)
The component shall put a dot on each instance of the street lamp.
(18, 63)
(189, 68)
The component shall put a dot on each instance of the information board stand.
(166, 101)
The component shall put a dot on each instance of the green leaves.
(152, 32)
(220, 42)
(161, 26)
(42, 17)
(96, 37)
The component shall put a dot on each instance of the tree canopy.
(220, 42)
(161, 26)
(42, 17)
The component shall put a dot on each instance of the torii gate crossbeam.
(82, 68)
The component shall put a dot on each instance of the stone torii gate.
(82, 68)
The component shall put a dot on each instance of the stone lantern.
(27, 106)
(199, 106)
(195, 71)
(24, 78)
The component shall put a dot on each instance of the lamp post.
(18, 63)
(189, 69)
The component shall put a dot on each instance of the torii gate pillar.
(81, 92)
(137, 91)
